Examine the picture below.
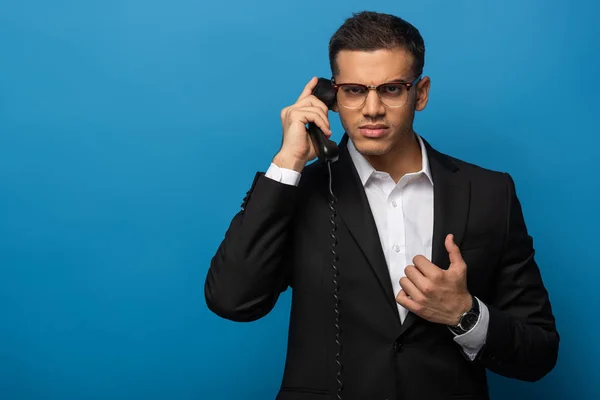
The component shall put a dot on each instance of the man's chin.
(372, 147)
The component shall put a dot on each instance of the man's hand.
(297, 148)
(437, 295)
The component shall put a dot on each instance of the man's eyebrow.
(398, 80)
(387, 81)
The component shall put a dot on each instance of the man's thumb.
(453, 250)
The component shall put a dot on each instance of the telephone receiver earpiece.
(327, 150)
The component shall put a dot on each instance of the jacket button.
(398, 346)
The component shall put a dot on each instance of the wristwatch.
(467, 320)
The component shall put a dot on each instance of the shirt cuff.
(283, 175)
(473, 340)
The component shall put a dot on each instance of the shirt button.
(394, 203)
(396, 248)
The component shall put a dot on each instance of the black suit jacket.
(282, 238)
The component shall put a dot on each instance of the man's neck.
(403, 159)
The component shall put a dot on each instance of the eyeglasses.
(392, 94)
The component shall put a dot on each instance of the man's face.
(377, 129)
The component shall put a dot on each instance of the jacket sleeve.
(522, 340)
(247, 274)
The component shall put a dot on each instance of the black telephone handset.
(327, 151)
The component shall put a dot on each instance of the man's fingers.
(312, 114)
(427, 268)
(405, 301)
(418, 279)
(308, 88)
(312, 101)
(411, 290)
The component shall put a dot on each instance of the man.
(434, 269)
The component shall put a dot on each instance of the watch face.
(469, 321)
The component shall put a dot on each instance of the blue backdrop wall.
(130, 131)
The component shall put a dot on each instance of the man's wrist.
(467, 319)
(287, 162)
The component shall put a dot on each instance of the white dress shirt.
(403, 213)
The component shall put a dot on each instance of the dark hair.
(368, 30)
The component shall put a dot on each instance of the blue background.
(130, 131)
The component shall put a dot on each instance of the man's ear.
(422, 87)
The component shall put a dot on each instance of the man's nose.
(373, 105)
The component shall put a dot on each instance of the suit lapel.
(451, 206)
(355, 212)
(452, 194)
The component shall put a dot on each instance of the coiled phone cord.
(336, 285)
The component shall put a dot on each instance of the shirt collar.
(365, 169)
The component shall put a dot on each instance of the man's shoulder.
(478, 170)
(474, 171)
